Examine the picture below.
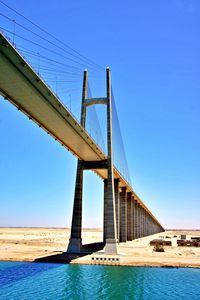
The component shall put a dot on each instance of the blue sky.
(153, 50)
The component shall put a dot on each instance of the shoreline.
(49, 245)
(137, 265)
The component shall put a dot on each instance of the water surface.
(55, 282)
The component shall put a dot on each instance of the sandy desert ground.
(30, 244)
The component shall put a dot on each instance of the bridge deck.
(20, 84)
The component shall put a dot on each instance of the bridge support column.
(141, 224)
(136, 220)
(142, 221)
(138, 206)
(133, 216)
(145, 223)
(104, 211)
(129, 217)
(139, 221)
(110, 221)
(75, 242)
(149, 225)
(123, 215)
(117, 208)
(110, 213)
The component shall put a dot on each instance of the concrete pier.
(75, 242)
(136, 220)
(129, 217)
(104, 211)
(117, 205)
(133, 215)
(123, 215)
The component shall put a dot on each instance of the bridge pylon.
(109, 228)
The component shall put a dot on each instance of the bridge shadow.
(66, 257)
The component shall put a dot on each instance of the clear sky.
(153, 50)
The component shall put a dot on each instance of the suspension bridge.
(37, 71)
(126, 217)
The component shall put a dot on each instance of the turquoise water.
(55, 281)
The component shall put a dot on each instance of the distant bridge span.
(26, 90)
